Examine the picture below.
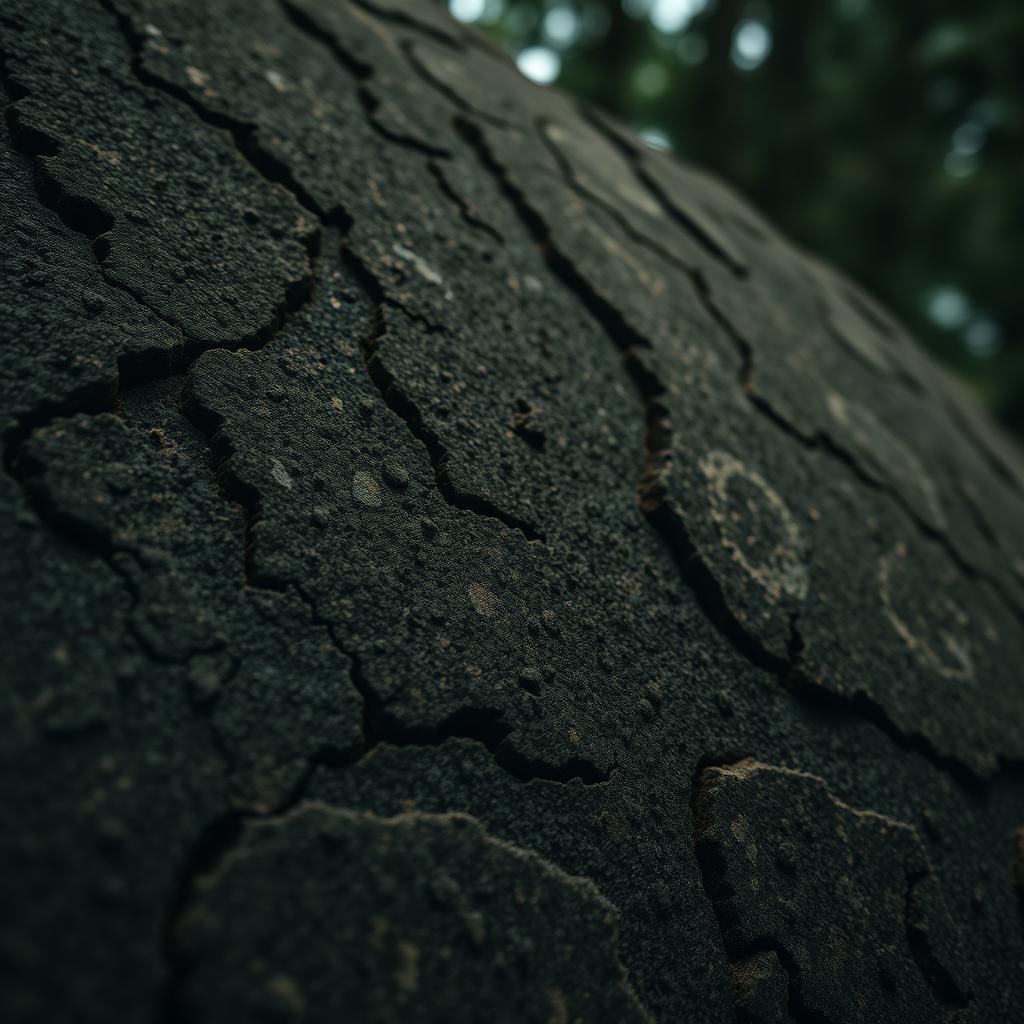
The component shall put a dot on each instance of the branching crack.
(84, 217)
(379, 726)
(693, 571)
(719, 893)
(77, 213)
(939, 979)
(664, 200)
(211, 846)
(712, 874)
(243, 134)
(634, 350)
(121, 561)
(446, 91)
(819, 440)
(404, 407)
(361, 73)
(139, 368)
(135, 370)
(827, 701)
(245, 139)
(464, 208)
(408, 21)
(484, 725)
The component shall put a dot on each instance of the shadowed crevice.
(938, 977)
(212, 845)
(693, 571)
(676, 212)
(819, 440)
(361, 73)
(403, 406)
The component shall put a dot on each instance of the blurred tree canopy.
(885, 135)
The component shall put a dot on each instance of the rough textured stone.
(432, 520)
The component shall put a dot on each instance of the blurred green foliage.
(885, 135)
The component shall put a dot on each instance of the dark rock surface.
(776, 849)
(398, 919)
(433, 521)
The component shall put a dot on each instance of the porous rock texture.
(462, 565)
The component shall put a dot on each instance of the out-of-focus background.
(884, 135)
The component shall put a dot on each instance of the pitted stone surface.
(394, 451)
(846, 898)
(398, 919)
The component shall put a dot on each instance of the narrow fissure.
(403, 406)
(658, 440)
(213, 844)
(242, 134)
(939, 979)
(680, 216)
(711, 873)
(407, 21)
(139, 370)
(694, 573)
(465, 211)
(361, 73)
(820, 440)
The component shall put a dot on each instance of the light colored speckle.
(111, 156)
(277, 80)
(557, 1005)
(286, 993)
(483, 601)
(366, 490)
(280, 474)
(532, 283)
(407, 974)
(739, 828)
(152, 30)
(198, 78)
(420, 265)
(476, 927)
